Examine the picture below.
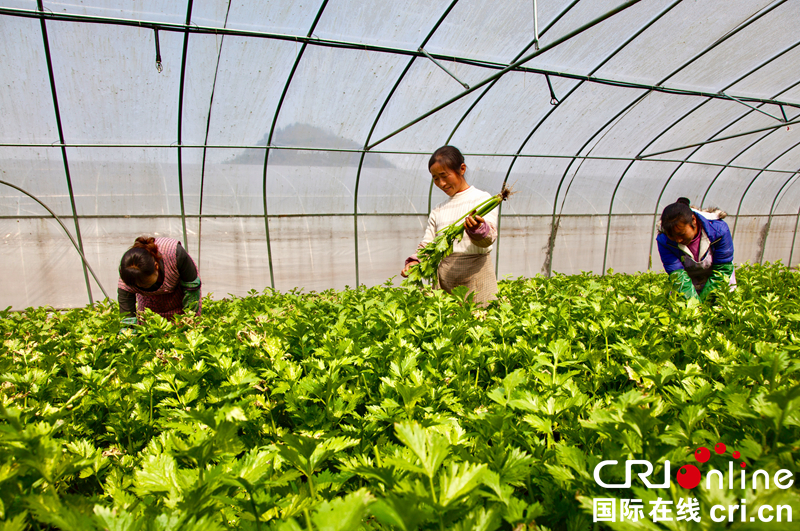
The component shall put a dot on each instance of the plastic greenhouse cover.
(286, 143)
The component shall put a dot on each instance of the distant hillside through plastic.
(305, 135)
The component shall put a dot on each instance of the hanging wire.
(553, 99)
(535, 26)
(159, 66)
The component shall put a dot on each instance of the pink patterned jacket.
(167, 301)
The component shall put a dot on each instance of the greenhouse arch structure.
(286, 143)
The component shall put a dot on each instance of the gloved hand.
(127, 323)
(191, 296)
(683, 284)
(720, 273)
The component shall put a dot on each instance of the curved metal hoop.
(74, 243)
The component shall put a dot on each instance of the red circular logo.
(688, 476)
(702, 454)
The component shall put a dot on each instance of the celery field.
(396, 408)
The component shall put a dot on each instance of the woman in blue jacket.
(696, 249)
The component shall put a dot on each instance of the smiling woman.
(157, 273)
(469, 264)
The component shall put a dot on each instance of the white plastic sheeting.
(286, 143)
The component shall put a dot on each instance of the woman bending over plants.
(157, 273)
(696, 249)
(469, 264)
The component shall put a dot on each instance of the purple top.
(694, 246)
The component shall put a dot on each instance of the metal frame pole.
(74, 243)
(440, 65)
(272, 132)
(341, 215)
(720, 139)
(64, 157)
(205, 141)
(739, 154)
(775, 201)
(180, 122)
(389, 152)
(475, 104)
(794, 239)
(389, 96)
(753, 180)
(739, 100)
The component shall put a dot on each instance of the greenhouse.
(283, 154)
(285, 144)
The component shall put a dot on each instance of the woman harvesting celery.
(469, 264)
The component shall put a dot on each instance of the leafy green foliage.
(432, 254)
(392, 408)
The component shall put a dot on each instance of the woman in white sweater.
(469, 264)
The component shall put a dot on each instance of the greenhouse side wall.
(315, 253)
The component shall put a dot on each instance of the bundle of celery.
(433, 253)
